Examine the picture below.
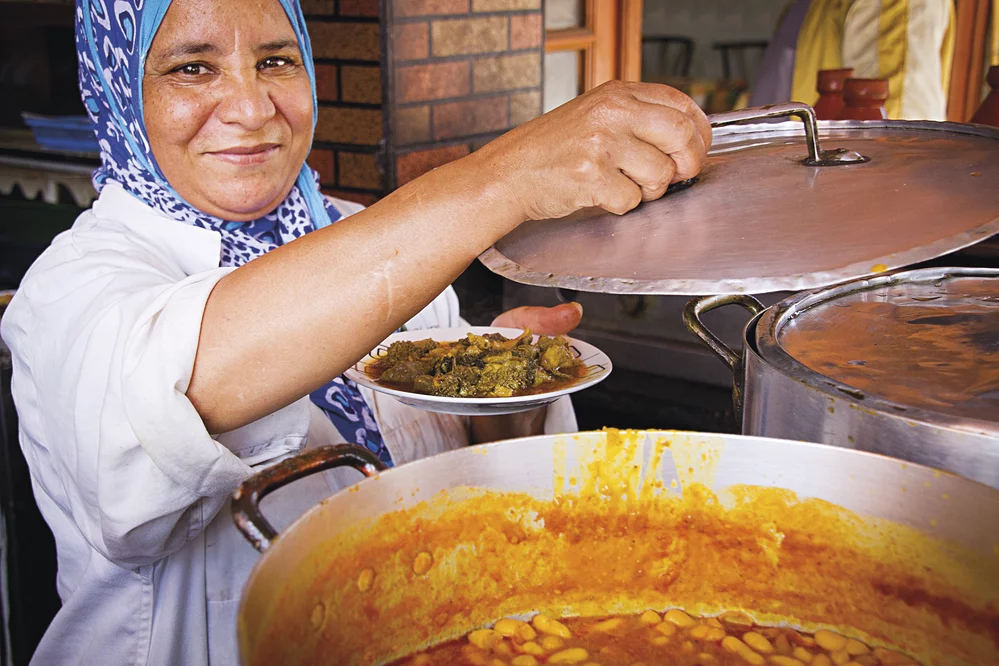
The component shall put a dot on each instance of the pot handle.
(692, 320)
(246, 500)
(816, 156)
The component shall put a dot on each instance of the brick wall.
(348, 147)
(461, 73)
(407, 85)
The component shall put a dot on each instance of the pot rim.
(414, 468)
(762, 332)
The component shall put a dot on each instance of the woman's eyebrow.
(277, 45)
(187, 49)
(200, 48)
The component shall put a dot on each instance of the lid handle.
(816, 156)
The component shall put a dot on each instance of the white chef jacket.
(103, 333)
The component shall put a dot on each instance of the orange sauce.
(616, 539)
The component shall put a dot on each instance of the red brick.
(429, 7)
(479, 116)
(322, 7)
(410, 41)
(414, 165)
(345, 41)
(411, 124)
(419, 83)
(326, 76)
(525, 31)
(359, 170)
(358, 7)
(361, 83)
(340, 125)
(504, 5)
(524, 107)
(321, 160)
(469, 35)
(508, 72)
(358, 197)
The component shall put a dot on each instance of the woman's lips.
(246, 155)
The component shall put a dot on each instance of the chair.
(666, 57)
(745, 55)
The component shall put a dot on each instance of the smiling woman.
(195, 323)
(229, 121)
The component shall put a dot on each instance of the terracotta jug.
(830, 86)
(988, 112)
(864, 99)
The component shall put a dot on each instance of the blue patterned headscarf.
(111, 48)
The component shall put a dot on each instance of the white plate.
(598, 364)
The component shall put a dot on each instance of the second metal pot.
(776, 395)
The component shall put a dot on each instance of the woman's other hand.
(557, 320)
(613, 147)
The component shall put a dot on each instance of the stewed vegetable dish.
(653, 639)
(479, 366)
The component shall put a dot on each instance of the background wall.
(710, 21)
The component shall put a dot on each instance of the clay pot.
(988, 112)
(830, 86)
(864, 99)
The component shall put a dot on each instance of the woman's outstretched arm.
(286, 323)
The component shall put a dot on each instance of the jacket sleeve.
(103, 335)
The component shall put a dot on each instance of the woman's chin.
(239, 202)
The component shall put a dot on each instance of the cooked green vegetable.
(479, 366)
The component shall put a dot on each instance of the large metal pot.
(874, 393)
(600, 523)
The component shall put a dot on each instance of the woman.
(171, 341)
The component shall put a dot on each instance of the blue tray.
(67, 133)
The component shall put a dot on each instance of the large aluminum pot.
(603, 523)
(899, 412)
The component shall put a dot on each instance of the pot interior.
(922, 339)
(605, 523)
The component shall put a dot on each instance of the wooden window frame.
(971, 23)
(610, 41)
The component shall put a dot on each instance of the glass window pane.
(562, 77)
(562, 14)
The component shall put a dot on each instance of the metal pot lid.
(772, 212)
(922, 340)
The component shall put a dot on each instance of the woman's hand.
(558, 320)
(613, 147)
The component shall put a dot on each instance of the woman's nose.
(246, 101)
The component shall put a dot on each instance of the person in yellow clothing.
(908, 42)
